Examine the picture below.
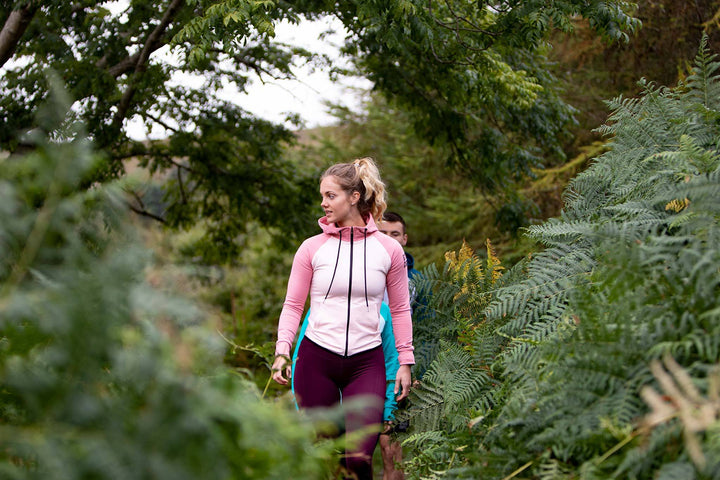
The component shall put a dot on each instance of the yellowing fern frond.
(456, 259)
(677, 205)
(461, 263)
(493, 262)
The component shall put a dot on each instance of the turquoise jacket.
(391, 360)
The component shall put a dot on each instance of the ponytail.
(374, 187)
(363, 176)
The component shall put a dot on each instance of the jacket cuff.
(406, 358)
(282, 348)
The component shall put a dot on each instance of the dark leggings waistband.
(330, 352)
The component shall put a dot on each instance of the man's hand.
(402, 382)
(281, 363)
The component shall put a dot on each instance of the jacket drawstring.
(367, 304)
(337, 260)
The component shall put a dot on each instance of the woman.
(347, 269)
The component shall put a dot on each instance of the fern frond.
(554, 470)
(636, 211)
(703, 82)
(423, 439)
(493, 266)
(428, 407)
(675, 470)
(430, 453)
(691, 156)
(702, 192)
(554, 232)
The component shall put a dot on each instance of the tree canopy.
(472, 75)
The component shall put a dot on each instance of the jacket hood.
(333, 229)
(410, 261)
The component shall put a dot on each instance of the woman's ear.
(354, 197)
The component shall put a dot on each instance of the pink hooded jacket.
(346, 271)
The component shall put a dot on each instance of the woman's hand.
(281, 363)
(402, 382)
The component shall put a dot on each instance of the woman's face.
(340, 207)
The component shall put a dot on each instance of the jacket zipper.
(347, 328)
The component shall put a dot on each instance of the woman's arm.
(399, 302)
(297, 292)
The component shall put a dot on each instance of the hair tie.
(357, 163)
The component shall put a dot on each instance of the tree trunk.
(15, 25)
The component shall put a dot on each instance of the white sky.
(306, 95)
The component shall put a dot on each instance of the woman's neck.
(354, 221)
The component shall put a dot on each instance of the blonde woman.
(346, 269)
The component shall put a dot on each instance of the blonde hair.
(363, 176)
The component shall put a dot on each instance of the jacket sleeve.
(391, 364)
(388, 344)
(399, 302)
(297, 292)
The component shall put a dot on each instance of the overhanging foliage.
(473, 75)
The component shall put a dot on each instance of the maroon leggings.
(323, 378)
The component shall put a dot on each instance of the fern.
(427, 410)
(551, 359)
(703, 83)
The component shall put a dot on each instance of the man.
(393, 225)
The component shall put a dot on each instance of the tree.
(219, 165)
(472, 74)
(102, 374)
(592, 71)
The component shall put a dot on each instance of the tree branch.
(124, 66)
(180, 184)
(159, 121)
(141, 210)
(164, 157)
(145, 213)
(13, 30)
(141, 65)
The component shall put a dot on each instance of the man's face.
(394, 230)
